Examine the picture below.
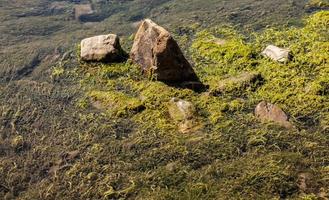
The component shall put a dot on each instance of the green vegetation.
(318, 4)
(234, 156)
(133, 150)
(103, 131)
(35, 32)
(300, 86)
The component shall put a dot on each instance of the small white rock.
(276, 53)
(101, 48)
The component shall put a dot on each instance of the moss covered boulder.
(118, 103)
(234, 84)
(184, 113)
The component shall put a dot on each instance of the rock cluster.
(158, 55)
(154, 50)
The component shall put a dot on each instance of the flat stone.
(235, 83)
(181, 110)
(58, 7)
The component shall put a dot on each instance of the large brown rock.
(101, 48)
(270, 112)
(158, 54)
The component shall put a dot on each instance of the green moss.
(131, 153)
(318, 3)
(17, 142)
(116, 102)
(57, 72)
(299, 86)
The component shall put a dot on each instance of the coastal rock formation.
(159, 55)
(104, 48)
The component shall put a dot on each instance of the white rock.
(276, 53)
(101, 48)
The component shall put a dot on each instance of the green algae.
(129, 153)
(233, 156)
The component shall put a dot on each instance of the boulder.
(159, 55)
(237, 83)
(184, 113)
(269, 112)
(101, 48)
(276, 53)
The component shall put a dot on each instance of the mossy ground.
(129, 148)
(35, 32)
